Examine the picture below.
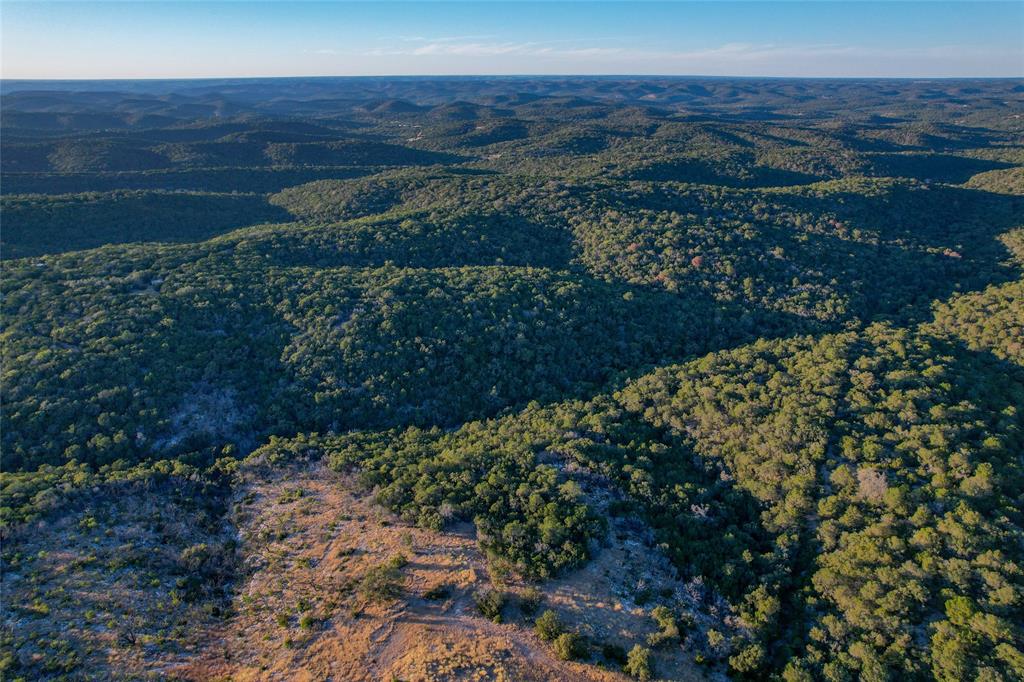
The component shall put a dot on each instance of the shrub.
(548, 626)
(195, 558)
(498, 569)
(188, 588)
(207, 563)
(290, 495)
(530, 601)
(490, 604)
(38, 607)
(381, 583)
(716, 640)
(568, 646)
(638, 663)
(398, 561)
(669, 628)
(749, 659)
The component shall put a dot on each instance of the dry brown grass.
(317, 547)
(301, 606)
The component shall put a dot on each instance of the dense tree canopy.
(778, 326)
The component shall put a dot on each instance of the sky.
(814, 38)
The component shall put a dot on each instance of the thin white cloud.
(480, 46)
(745, 54)
(480, 49)
(478, 54)
(444, 39)
(730, 52)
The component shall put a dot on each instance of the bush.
(568, 646)
(204, 567)
(490, 604)
(195, 559)
(381, 583)
(290, 495)
(669, 628)
(638, 663)
(530, 601)
(716, 641)
(749, 659)
(548, 626)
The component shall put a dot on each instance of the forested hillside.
(765, 338)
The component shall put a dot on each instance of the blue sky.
(224, 39)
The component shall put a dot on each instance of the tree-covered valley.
(660, 378)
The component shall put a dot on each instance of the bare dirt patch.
(315, 605)
(305, 578)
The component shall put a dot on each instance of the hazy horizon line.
(72, 79)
